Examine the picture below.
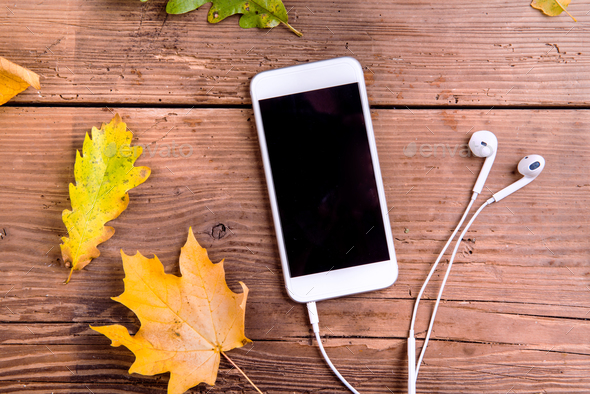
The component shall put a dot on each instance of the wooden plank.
(518, 300)
(531, 327)
(286, 367)
(460, 53)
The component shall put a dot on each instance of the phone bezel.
(302, 78)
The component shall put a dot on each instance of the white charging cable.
(315, 320)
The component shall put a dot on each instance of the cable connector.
(411, 363)
(314, 318)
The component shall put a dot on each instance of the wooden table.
(515, 312)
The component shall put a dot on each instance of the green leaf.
(104, 174)
(255, 13)
(552, 7)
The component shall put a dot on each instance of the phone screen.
(324, 180)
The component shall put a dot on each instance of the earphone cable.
(433, 269)
(442, 286)
(314, 317)
(412, 368)
(314, 320)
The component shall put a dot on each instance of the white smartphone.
(323, 177)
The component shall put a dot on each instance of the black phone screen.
(324, 180)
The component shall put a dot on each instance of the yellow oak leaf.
(187, 322)
(104, 174)
(552, 7)
(14, 79)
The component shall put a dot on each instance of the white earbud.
(483, 143)
(530, 167)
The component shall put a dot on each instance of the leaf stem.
(563, 8)
(69, 276)
(242, 372)
(299, 34)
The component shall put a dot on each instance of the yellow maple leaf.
(14, 79)
(187, 322)
(104, 174)
(552, 7)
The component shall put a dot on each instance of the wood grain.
(458, 53)
(515, 310)
(476, 368)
